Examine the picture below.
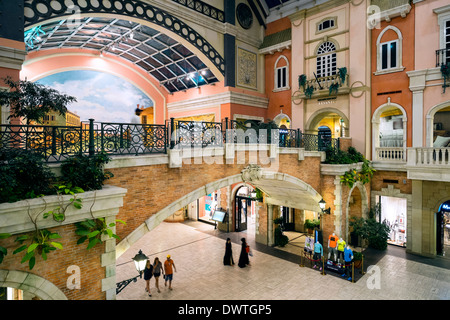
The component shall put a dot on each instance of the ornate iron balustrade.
(196, 134)
(203, 8)
(56, 143)
(442, 57)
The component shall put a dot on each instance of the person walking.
(157, 269)
(169, 267)
(243, 258)
(228, 257)
(148, 273)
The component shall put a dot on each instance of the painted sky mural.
(100, 96)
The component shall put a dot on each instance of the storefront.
(245, 210)
(393, 210)
(443, 230)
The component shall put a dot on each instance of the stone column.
(270, 236)
(417, 216)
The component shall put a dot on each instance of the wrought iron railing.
(203, 8)
(442, 57)
(56, 143)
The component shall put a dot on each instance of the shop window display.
(393, 210)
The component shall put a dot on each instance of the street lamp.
(140, 260)
(322, 205)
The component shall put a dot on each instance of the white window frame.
(399, 66)
(389, 54)
(285, 84)
(327, 61)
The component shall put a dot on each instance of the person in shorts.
(157, 269)
(169, 267)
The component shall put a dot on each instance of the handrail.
(56, 143)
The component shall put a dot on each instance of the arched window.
(281, 74)
(326, 59)
(389, 47)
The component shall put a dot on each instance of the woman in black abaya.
(228, 257)
(243, 258)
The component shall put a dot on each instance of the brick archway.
(33, 283)
(154, 220)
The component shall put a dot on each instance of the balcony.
(442, 57)
(431, 164)
(323, 87)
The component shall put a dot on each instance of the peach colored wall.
(43, 63)
(281, 98)
(397, 81)
(427, 30)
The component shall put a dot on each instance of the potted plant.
(357, 259)
(310, 225)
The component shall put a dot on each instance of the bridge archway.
(280, 188)
(32, 283)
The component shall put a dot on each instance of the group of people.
(243, 257)
(155, 270)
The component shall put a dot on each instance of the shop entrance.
(244, 209)
(393, 210)
(443, 230)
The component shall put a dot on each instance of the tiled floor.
(197, 250)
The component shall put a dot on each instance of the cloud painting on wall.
(100, 96)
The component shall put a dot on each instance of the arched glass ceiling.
(172, 64)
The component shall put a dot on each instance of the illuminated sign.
(445, 206)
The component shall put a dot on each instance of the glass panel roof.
(171, 63)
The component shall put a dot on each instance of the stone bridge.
(147, 189)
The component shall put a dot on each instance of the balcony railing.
(56, 143)
(429, 157)
(442, 57)
(391, 154)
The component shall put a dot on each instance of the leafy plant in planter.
(357, 258)
(376, 233)
(86, 172)
(310, 225)
(280, 239)
(23, 175)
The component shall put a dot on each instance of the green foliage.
(334, 87)
(259, 194)
(33, 100)
(337, 156)
(302, 81)
(376, 233)
(59, 212)
(309, 91)
(40, 242)
(23, 175)
(86, 172)
(342, 72)
(357, 256)
(349, 178)
(93, 229)
(312, 224)
(3, 250)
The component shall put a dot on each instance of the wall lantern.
(322, 205)
(140, 260)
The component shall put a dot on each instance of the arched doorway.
(325, 137)
(443, 230)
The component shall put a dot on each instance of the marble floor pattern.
(197, 250)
